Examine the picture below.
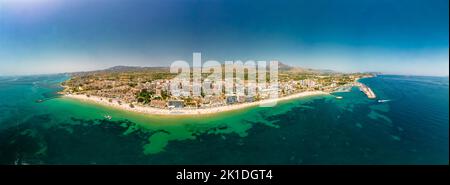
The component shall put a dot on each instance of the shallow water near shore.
(411, 128)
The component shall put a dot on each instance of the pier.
(366, 90)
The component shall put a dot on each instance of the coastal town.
(149, 89)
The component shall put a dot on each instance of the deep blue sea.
(410, 126)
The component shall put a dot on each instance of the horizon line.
(84, 71)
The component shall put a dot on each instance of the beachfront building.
(307, 83)
(249, 99)
(266, 93)
(241, 99)
(231, 99)
(177, 104)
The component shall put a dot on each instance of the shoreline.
(173, 112)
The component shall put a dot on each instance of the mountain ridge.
(281, 67)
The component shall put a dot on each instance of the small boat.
(108, 117)
(382, 101)
(339, 97)
(39, 101)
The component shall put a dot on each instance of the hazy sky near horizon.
(396, 37)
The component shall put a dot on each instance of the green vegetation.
(144, 96)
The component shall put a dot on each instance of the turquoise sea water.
(410, 128)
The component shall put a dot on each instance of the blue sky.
(397, 37)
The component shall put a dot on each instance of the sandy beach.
(200, 111)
